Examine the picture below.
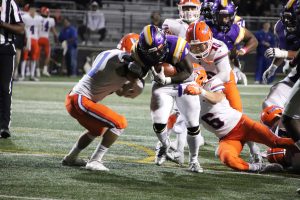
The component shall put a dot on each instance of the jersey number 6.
(216, 123)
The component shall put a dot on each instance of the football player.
(230, 29)
(154, 48)
(232, 127)
(110, 71)
(285, 29)
(189, 11)
(32, 23)
(47, 25)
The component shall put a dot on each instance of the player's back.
(219, 118)
(102, 79)
(175, 27)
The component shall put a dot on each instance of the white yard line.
(22, 197)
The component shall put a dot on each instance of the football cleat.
(67, 161)
(195, 167)
(176, 157)
(271, 167)
(160, 154)
(4, 133)
(95, 165)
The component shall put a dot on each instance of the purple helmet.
(152, 46)
(224, 13)
(206, 9)
(288, 15)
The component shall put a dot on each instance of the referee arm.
(13, 28)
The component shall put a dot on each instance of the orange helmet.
(199, 36)
(44, 11)
(277, 155)
(200, 74)
(189, 10)
(127, 42)
(270, 115)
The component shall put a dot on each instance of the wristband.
(203, 92)
(244, 49)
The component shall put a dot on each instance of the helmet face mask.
(200, 49)
(189, 11)
(199, 36)
(152, 45)
(224, 15)
(289, 21)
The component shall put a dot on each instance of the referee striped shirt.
(9, 14)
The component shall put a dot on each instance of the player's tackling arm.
(186, 69)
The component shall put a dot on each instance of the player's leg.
(35, 53)
(23, 64)
(257, 132)
(291, 114)
(278, 95)
(161, 106)
(189, 107)
(96, 118)
(47, 50)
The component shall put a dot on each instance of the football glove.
(193, 89)
(276, 52)
(269, 73)
(160, 77)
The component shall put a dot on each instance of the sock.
(194, 144)
(32, 68)
(74, 151)
(163, 138)
(254, 149)
(99, 152)
(181, 140)
(23, 67)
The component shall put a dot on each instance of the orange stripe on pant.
(247, 129)
(93, 116)
(232, 93)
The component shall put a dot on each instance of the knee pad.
(193, 130)
(159, 128)
(117, 131)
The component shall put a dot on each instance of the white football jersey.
(175, 27)
(217, 60)
(46, 24)
(219, 118)
(32, 25)
(102, 79)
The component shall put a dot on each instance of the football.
(169, 70)
(276, 155)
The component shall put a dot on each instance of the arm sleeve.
(224, 69)
(16, 17)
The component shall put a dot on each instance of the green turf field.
(43, 133)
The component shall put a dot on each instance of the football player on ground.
(110, 72)
(48, 24)
(232, 127)
(271, 117)
(230, 29)
(32, 23)
(153, 49)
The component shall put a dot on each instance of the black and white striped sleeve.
(15, 13)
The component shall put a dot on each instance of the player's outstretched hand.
(193, 89)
